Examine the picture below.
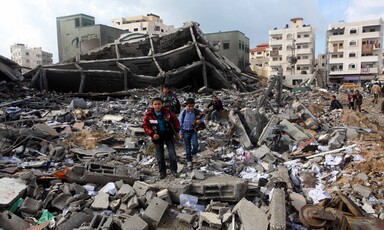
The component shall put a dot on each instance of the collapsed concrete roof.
(181, 59)
(9, 70)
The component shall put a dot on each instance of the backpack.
(177, 106)
(197, 127)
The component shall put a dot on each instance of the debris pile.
(69, 162)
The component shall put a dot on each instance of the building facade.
(354, 51)
(259, 60)
(150, 24)
(293, 50)
(77, 34)
(29, 57)
(233, 45)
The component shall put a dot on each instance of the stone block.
(140, 188)
(197, 174)
(164, 195)
(134, 223)
(293, 131)
(187, 218)
(101, 201)
(75, 221)
(297, 200)
(31, 205)
(126, 189)
(250, 215)
(133, 202)
(155, 211)
(60, 201)
(136, 132)
(362, 190)
(10, 221)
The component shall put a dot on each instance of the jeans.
(215, 115)
(191, 144)
(160, 155)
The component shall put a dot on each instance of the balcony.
(304, 51)
(275, 63)
(304, 62)
(372, 70)
(303, 40)
(375, 34)
(369, 59)
(276, 42)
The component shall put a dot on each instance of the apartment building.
(29, 57)
(150, 24)
(259, 59)
(293, 49)
(233, 45)
(354, 51)
(78, 34)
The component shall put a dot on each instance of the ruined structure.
(181, 59)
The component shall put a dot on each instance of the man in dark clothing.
(217, 107)
(358, 100)
(162, 125)
(170, 100)
(335, 104)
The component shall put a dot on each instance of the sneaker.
(174, 173)
(189, 165)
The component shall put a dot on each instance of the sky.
(33, 23)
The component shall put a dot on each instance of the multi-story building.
(150, 24)
(354, 51)
(29, 57)
(77, 34)
(233, 45)
(259, 58)
(293, 50)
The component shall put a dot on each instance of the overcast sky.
(34, 22)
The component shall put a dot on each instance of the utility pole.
(293, 58)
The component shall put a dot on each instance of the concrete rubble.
(82, 161)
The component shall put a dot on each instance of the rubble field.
(82, 161)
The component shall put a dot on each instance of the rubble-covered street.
(70, 162)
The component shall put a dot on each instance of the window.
(239, 45)
(136, 29)
(226, 45)
(353, 31)
(258, 52)
(352, 43)
(352, 54)
(27, 53)
(351, 66)
(157, 28)
(77, 22)
(289, 36)
(162, 30)
(306, 35)
(296, 82)
(144, 28)
(298, 36)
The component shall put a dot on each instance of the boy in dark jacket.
(217, 107)
(335, 104)
(161, 125)
(170, 100)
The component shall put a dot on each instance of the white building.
(150, 24)
(29, 57)
(259, 59)
(293, 49)
(354, 51)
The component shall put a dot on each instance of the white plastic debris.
(318, 195)
(331, 160)
(109, 188)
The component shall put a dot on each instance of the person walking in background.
(358, 100)
(375, 91)
(162, 125)
(170, 99)
(190, 120)
(351, 100)
(217, 107)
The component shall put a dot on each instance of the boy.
(335, 104)
(170, 100)
(161, 125)
(190, 119)
(217, 107)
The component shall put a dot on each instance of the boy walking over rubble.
(170, 100)
(190, 120)
(358, 100)
(161, 125)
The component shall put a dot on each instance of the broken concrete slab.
(293, 131)
(240, 129)
(75, 221)
(10, 190)
(60, 201)
(155, 211)
(209, 219)
(101, 201)
(297, 200)
(30, 205)
(250, 215)
(185, 217)
(362, 190)
(126, 189)
(277, 210)
(141, 188)
(197, 174)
